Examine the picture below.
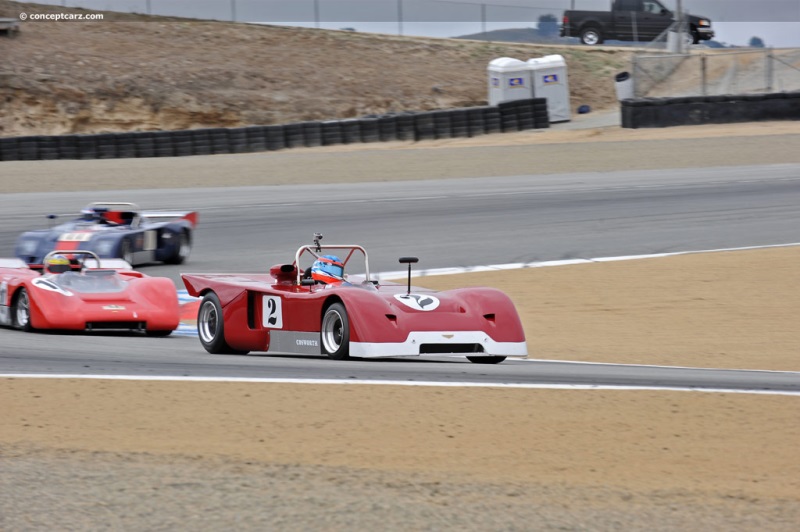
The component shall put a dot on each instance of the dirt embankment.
(133, 72)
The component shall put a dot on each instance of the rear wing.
(166, 216)
(125, 213)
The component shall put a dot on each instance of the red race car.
(76, 291)
(319, 310)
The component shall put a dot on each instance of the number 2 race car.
(115, 230)
(316, 311)
(79, 291)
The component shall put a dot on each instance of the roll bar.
(317, 249)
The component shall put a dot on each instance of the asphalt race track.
(446, 223)
(108, 355)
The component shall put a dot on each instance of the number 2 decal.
(271, 312)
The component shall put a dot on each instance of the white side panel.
(411, 346)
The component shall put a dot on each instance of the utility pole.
(400, 17)
(681, 26)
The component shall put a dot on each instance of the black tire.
(591, 36)
(126, 252)
(211, 328)
(183, 251)
(21, 311)
(486, 360)
(335, 332)
(158, 334)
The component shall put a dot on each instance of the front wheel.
(335, 332)
(486, 360)
(690, 38)
(21, 311)
(211, 328)
(591, 36)
(184, 249)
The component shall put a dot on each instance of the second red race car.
(80, 292)
(319, 310)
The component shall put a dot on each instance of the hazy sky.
(777, 22)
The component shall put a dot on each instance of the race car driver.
(57, 264)
(328, 269)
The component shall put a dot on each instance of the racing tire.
(211, 328)
(158, 334)
(591, 36)
(183, 251)
(125, 252)
(21, 311)
(486, 360)
(335, 332)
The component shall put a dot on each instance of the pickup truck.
(9, 27)
(630, 20)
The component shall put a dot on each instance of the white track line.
(242, 380)
(567, 262)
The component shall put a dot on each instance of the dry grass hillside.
(134, 72)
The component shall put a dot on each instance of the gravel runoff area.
(109, 455)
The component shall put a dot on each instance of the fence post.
(400, 17)
(769, 59)
(704, 74)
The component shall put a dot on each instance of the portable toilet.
(549, 80)
(509, 79)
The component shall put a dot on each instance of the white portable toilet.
(509, 79)
(549, 80)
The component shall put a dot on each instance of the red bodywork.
(377, 317)
(94, 299)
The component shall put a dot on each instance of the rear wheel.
(211, 328)
(486, 360)
(335, 332)
(591, 36)
(21, 311)
(184, 249)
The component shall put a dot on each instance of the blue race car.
(114, 230)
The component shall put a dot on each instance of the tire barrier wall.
(430, 125)
(697, 110)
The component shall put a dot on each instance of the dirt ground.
(131, 72)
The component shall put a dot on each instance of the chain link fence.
(716, 73)
(433, 18)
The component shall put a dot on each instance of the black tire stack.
(716, 109)
(405, 126)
